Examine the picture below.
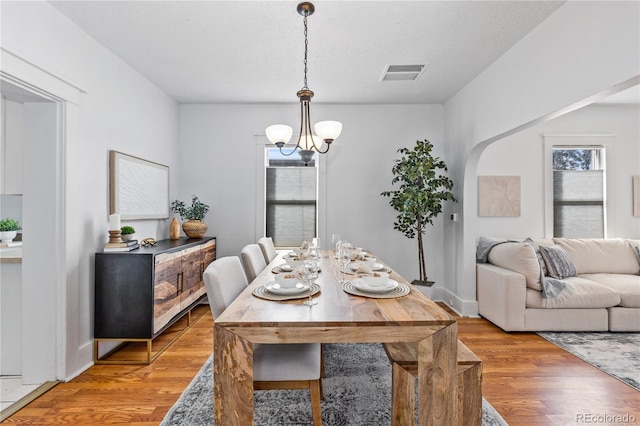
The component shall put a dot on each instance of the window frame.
(573, 141)
(261, 145)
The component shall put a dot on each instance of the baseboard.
(85, 360)
(464, 308)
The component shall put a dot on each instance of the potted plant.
(423, 189)
(8, 229)
(194, 226)
(127, 233)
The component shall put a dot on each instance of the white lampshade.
(328, 129)
(279, 133)
(306, 142)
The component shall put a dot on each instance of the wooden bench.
(403, 358)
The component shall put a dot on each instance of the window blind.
(291, 194)
(578, 203)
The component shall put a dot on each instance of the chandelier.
(326, 131)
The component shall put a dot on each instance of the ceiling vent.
(402, 72)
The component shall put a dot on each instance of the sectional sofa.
(560, 284)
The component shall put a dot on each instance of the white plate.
(275, 288)
(376, 266)
(363, 286)
(285, 267)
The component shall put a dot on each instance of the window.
(291, 199)
(579, 192)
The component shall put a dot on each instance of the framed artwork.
(499, 196)
(636, 195)
(138, 189)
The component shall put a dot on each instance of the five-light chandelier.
(326, 131)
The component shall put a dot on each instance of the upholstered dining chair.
(277, 366)
(268, 249)
(252, 260)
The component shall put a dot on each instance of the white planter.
(8, 236)
(127, 237)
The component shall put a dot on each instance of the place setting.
(376, 285)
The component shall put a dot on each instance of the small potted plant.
(127, 233)
(8, 229)
(194, 226)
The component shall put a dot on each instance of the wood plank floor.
(528, 380)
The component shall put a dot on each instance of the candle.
(114, 222)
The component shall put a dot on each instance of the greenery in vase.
(196, 211)
(126, 230)
(9, 225)
(423, 189)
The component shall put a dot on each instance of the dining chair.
(277, 366)
(268, 249)
(252, 260)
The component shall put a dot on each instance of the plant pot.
(194, 228)
(127, 237)
(8, 236)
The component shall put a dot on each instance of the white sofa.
(604, 294)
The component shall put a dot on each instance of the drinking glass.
(344, 258)
(334, 239)
(309, 274)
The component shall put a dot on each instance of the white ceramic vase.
(8, 236)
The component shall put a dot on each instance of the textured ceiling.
(252, 51)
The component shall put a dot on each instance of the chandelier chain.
(306, 48)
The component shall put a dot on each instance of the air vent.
(402, 72)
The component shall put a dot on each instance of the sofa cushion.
(536, 248)
(579, 293)
(627, 286)
(558, 263)
(518, 257)
(593, 256)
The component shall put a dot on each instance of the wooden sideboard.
(139, 294)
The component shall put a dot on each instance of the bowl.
(294, 262)
(377, 279)
(287, 280)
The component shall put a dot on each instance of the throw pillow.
(536, 248)
(558, 263)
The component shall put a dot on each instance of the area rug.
(617, 354)
(356, 389)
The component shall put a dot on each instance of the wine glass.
(335, 238)
(309, 274)
(344, 258)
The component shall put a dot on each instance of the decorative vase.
(8, 236)
(174, 229)
(127, 237)
(194, 228)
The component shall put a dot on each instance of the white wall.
(581, 50)
(120, 110)
(218, 163)
(522, 155)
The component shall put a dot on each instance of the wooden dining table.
(339, 317)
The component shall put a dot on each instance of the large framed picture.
(138, 189)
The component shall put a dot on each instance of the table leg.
(438, 382)
(232, 379)
(403, 396)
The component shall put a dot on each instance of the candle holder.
(115, 236)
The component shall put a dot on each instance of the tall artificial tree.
(422, 190)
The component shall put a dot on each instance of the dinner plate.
(363, 286)
(275, 288)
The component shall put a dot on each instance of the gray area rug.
(617, 354)
(357, 391)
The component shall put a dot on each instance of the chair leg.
(316, 410)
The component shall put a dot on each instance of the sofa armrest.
(501, 296)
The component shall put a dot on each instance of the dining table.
(338, 317)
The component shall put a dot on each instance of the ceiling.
(252, 51)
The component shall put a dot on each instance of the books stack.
(123, 246)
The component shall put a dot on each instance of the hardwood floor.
(528, 380)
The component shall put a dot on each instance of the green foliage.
(126, 230)
(572, 159)
(422, 190)
(196, 211)
(9, 225)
